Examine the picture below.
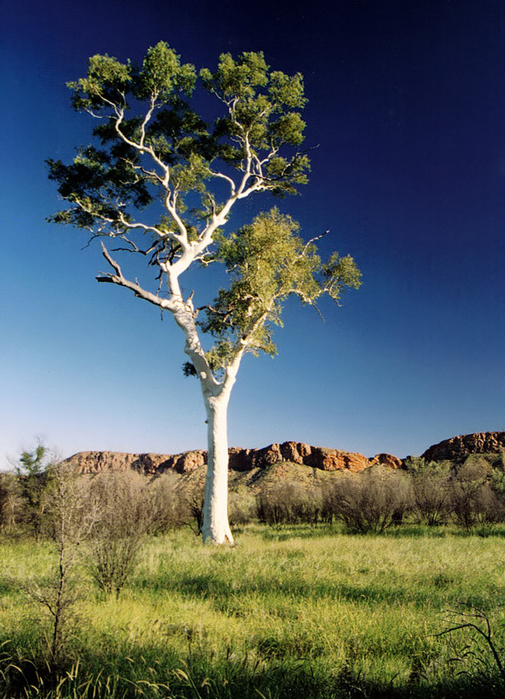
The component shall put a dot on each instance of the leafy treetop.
(153, 152)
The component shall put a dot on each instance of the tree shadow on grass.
(129, 670)
(194, 679)
(221, 592)
(287, 532)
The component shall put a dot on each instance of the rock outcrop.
(150, 464)
(387, 460)
(244, 460)
(462, 446)
(240, 459)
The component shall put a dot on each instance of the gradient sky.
(407, 108)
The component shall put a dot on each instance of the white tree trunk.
(216, 529)
(216, 396)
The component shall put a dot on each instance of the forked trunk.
(216, 529)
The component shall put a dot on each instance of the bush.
(194, 502)
(473, 500)
(126, 517)
(170, 509)
(431, 490)
(370, 501)
(241, 508)
(289, 503)
(31, 472)
(11, 502)
(68, 517)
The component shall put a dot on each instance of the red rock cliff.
(240, 459)
(463, 445)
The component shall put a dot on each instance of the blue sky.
(407, 107)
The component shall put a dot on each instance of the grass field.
(291, 612)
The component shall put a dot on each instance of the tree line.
(125, 507)
(469, 495)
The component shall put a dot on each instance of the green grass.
(288, 612)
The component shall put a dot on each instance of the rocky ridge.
(458, 448)
(241, 460)
(246, 460)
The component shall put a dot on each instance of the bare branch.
(221, 175)
(147, 118)
(313, 240)
(133, 248)
(147, 228)
(112, 262)
(119, 279)
(141, 147)
(97, 235)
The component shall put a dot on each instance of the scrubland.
(379, 584)
(290, 611)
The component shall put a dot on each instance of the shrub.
(473, 500)
(11, 502)
(241, 508)
(31, 471)
(431, 490)
(126, 517)
(194, 501)
(372, 500)
(169, 508)
(69, 515)
(289, 503)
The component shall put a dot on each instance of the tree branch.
(146, 228)
(221, 175)
(313, 240)
(119, 279)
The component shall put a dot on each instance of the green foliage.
(33, 463)
(33, 471)
(163, 131)
(162, 74)
(339, 273)
(151, 147)
(267, 261)
(263, 115)
(94, 183)
(109, 83)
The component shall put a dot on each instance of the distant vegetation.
(469, 494)
(379, 584)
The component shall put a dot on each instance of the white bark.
(216, 394)
(216, 528)
(216, 397)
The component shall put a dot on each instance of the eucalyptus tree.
(160, 183)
